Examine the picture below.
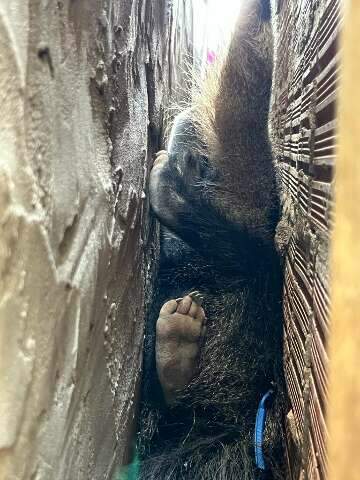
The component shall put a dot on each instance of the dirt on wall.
(84, 86)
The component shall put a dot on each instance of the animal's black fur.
(217, 201)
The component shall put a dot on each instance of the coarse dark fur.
(217, 201)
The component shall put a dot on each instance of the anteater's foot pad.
(179, 332)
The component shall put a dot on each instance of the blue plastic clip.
(259, 431)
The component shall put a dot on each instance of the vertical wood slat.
(344, 385)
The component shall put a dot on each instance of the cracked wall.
(84, 87)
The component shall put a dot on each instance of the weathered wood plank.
(344, 387)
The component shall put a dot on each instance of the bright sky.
(213, 24)
(221, 17)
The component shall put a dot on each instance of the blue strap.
(259, 431)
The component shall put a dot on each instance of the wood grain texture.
(344, 385)
(304, 135)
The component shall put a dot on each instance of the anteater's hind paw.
(179, 331)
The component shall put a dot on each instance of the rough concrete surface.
(83, 88)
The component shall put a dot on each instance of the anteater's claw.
(197, 297)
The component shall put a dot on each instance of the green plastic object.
(129, 472)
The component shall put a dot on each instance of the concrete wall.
(83, 88)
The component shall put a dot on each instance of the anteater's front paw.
(179, 330)
(160, 157)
